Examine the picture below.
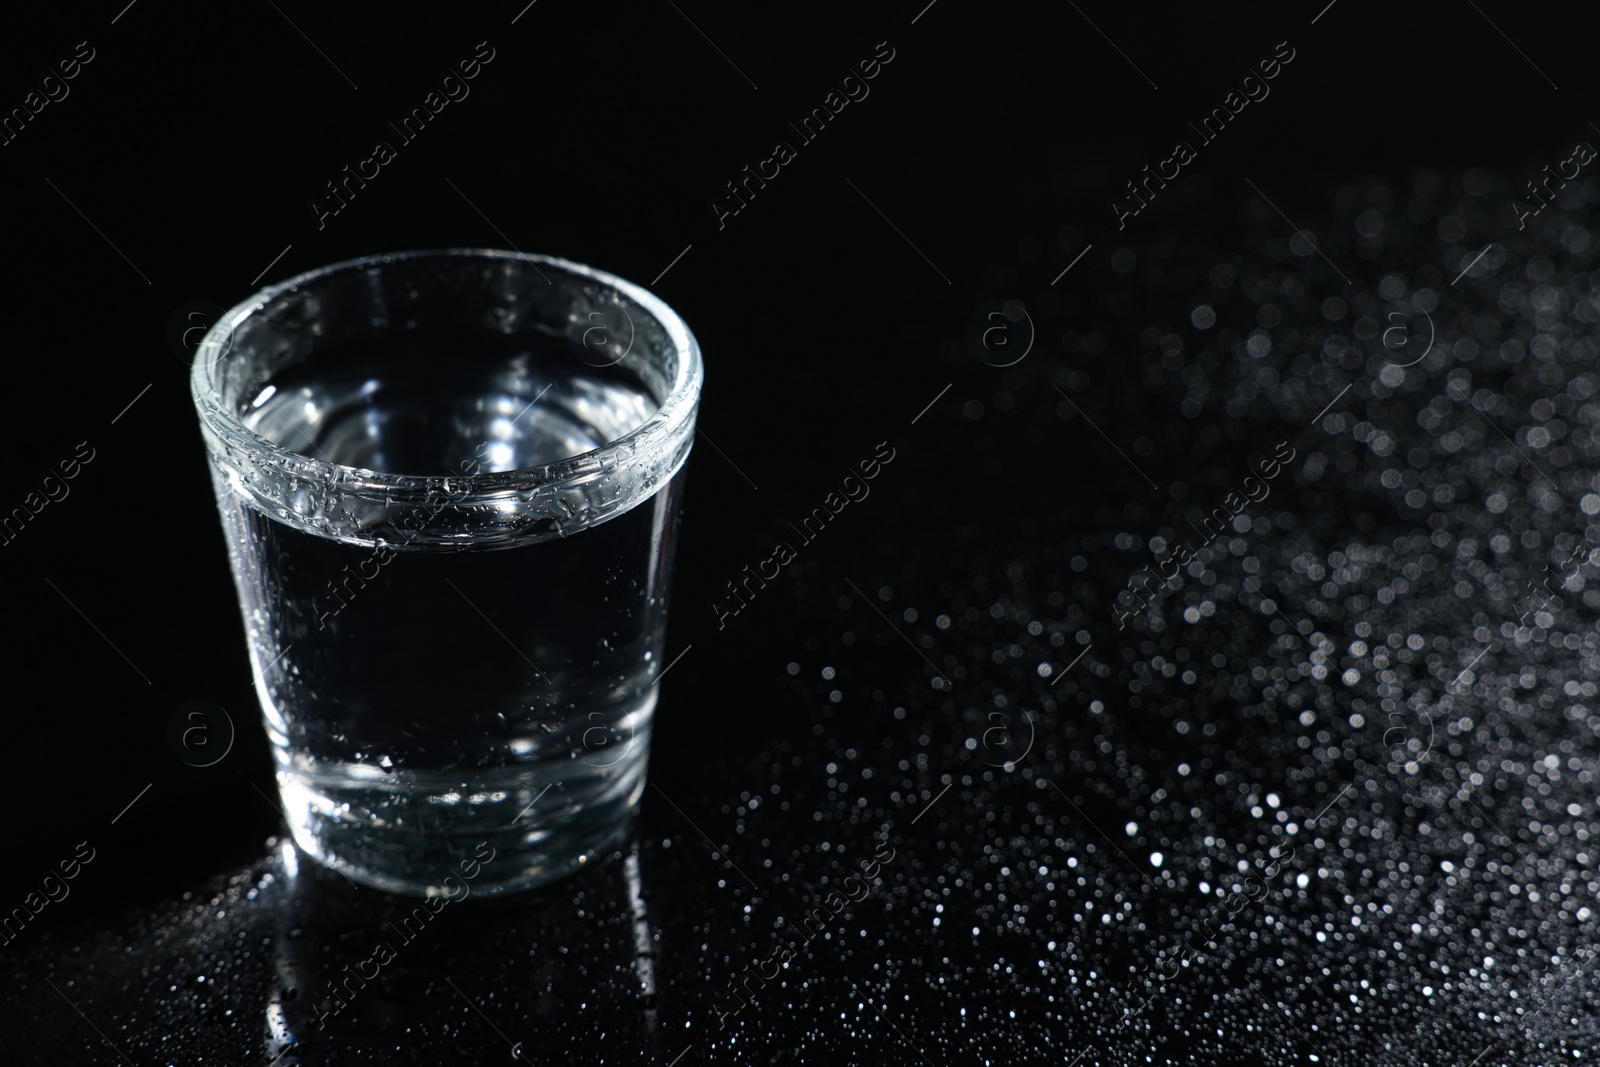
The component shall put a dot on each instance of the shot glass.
(450, 484)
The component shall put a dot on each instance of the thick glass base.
(455, 835)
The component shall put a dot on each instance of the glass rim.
(664, 426)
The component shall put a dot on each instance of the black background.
(197, 138)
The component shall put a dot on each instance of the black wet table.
(1265, 736)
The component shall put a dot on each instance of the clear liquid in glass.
(428, 702)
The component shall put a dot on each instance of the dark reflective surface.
(1324, 795)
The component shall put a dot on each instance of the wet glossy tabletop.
(1319, 788)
